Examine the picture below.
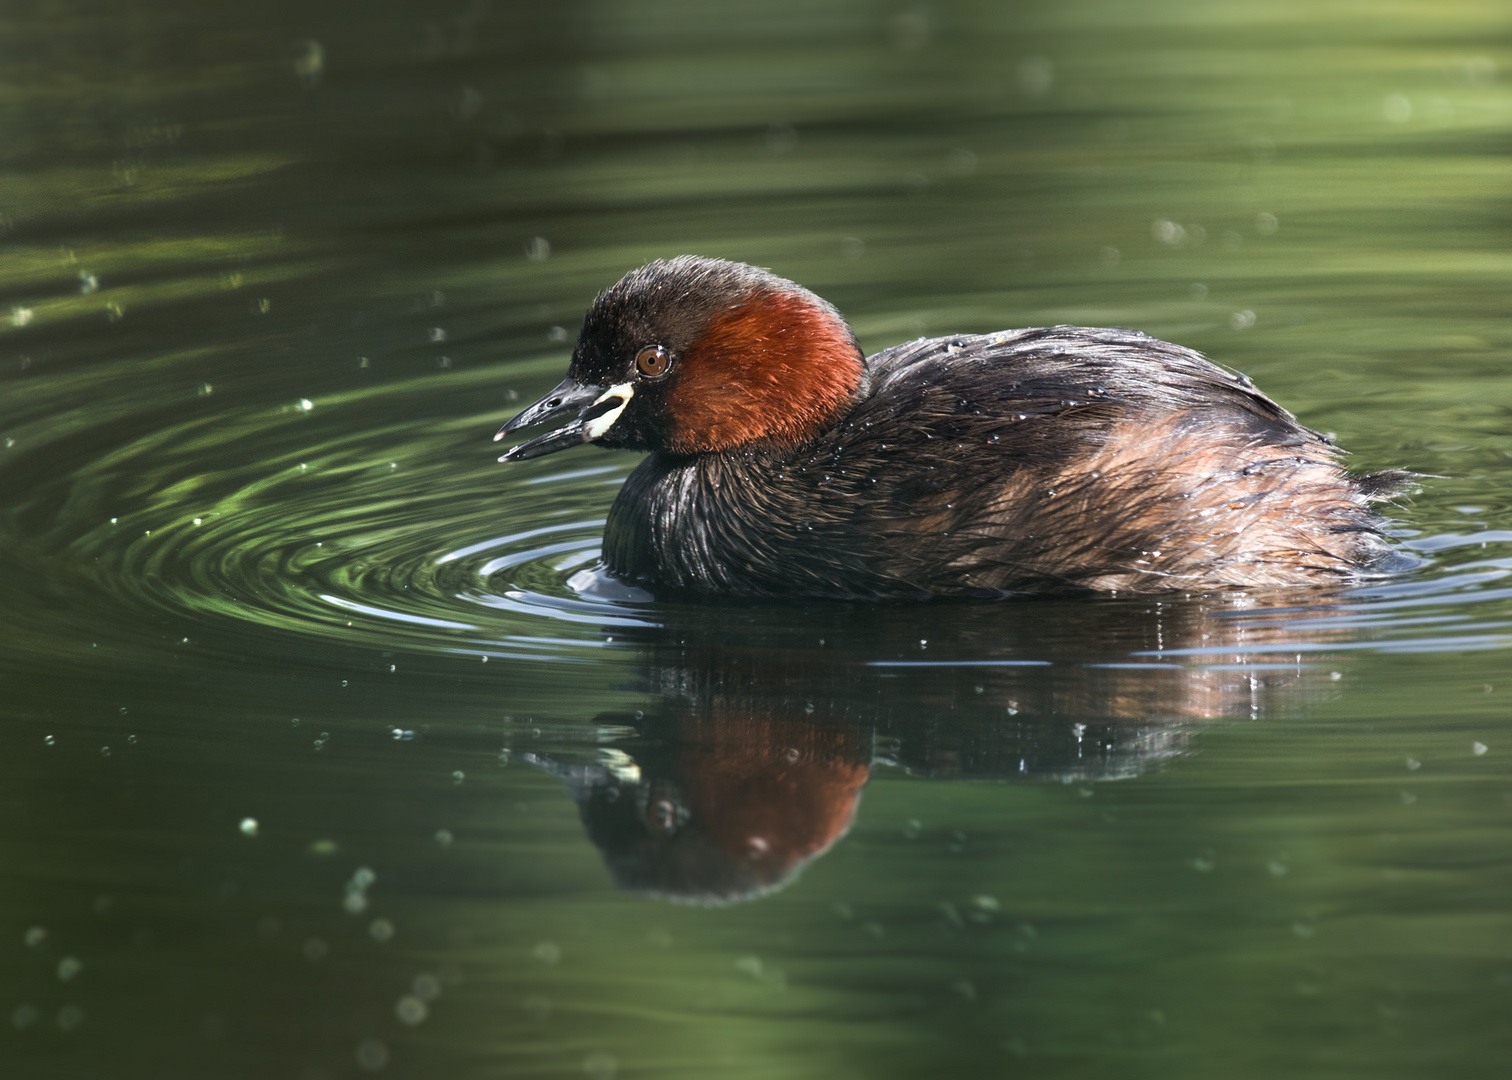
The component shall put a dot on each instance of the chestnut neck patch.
(774, 371)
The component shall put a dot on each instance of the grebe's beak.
(593, 409)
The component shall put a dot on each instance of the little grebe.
(786, 463)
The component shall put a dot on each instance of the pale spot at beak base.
(600, 425)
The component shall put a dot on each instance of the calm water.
(327, 750)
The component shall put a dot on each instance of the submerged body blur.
(787, 464)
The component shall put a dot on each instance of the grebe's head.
(693, 355)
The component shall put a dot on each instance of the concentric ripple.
(352, 520)
(400, 534)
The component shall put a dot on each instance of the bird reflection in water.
(766, 724)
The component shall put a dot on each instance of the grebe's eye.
(652, 361)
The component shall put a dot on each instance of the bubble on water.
(1167, 232)
(316, 950)
(912, 829)
(444, 837)
(248, 826)
(323, 847)
(307, 58)
(372, 1055)
(1035, 76)
(1408, 798)
(987, 903)
(411, 1010)
(1266, 223)
(1203, 864)
(1197, 291)
(1277, 868)
(426, 986)
(21, 316)
(600, 1065)
(68, 967)
(852, 247)
(206, 389)
(458, 776)
(557, 334)
(70, 1017)
(131, 739)
(354, 902)
(305, 404)
(1413, 765)
(381, 930)
(49, 740)
(437, 335)
(404, 734)
(1109, 256)
(34, 937)
(1478, 748)
(548, 953)
(538, 249)
(1242, 320)
(24, 1016)
(363, 877)
(104, 751)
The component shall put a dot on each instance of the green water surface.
(326, 750)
